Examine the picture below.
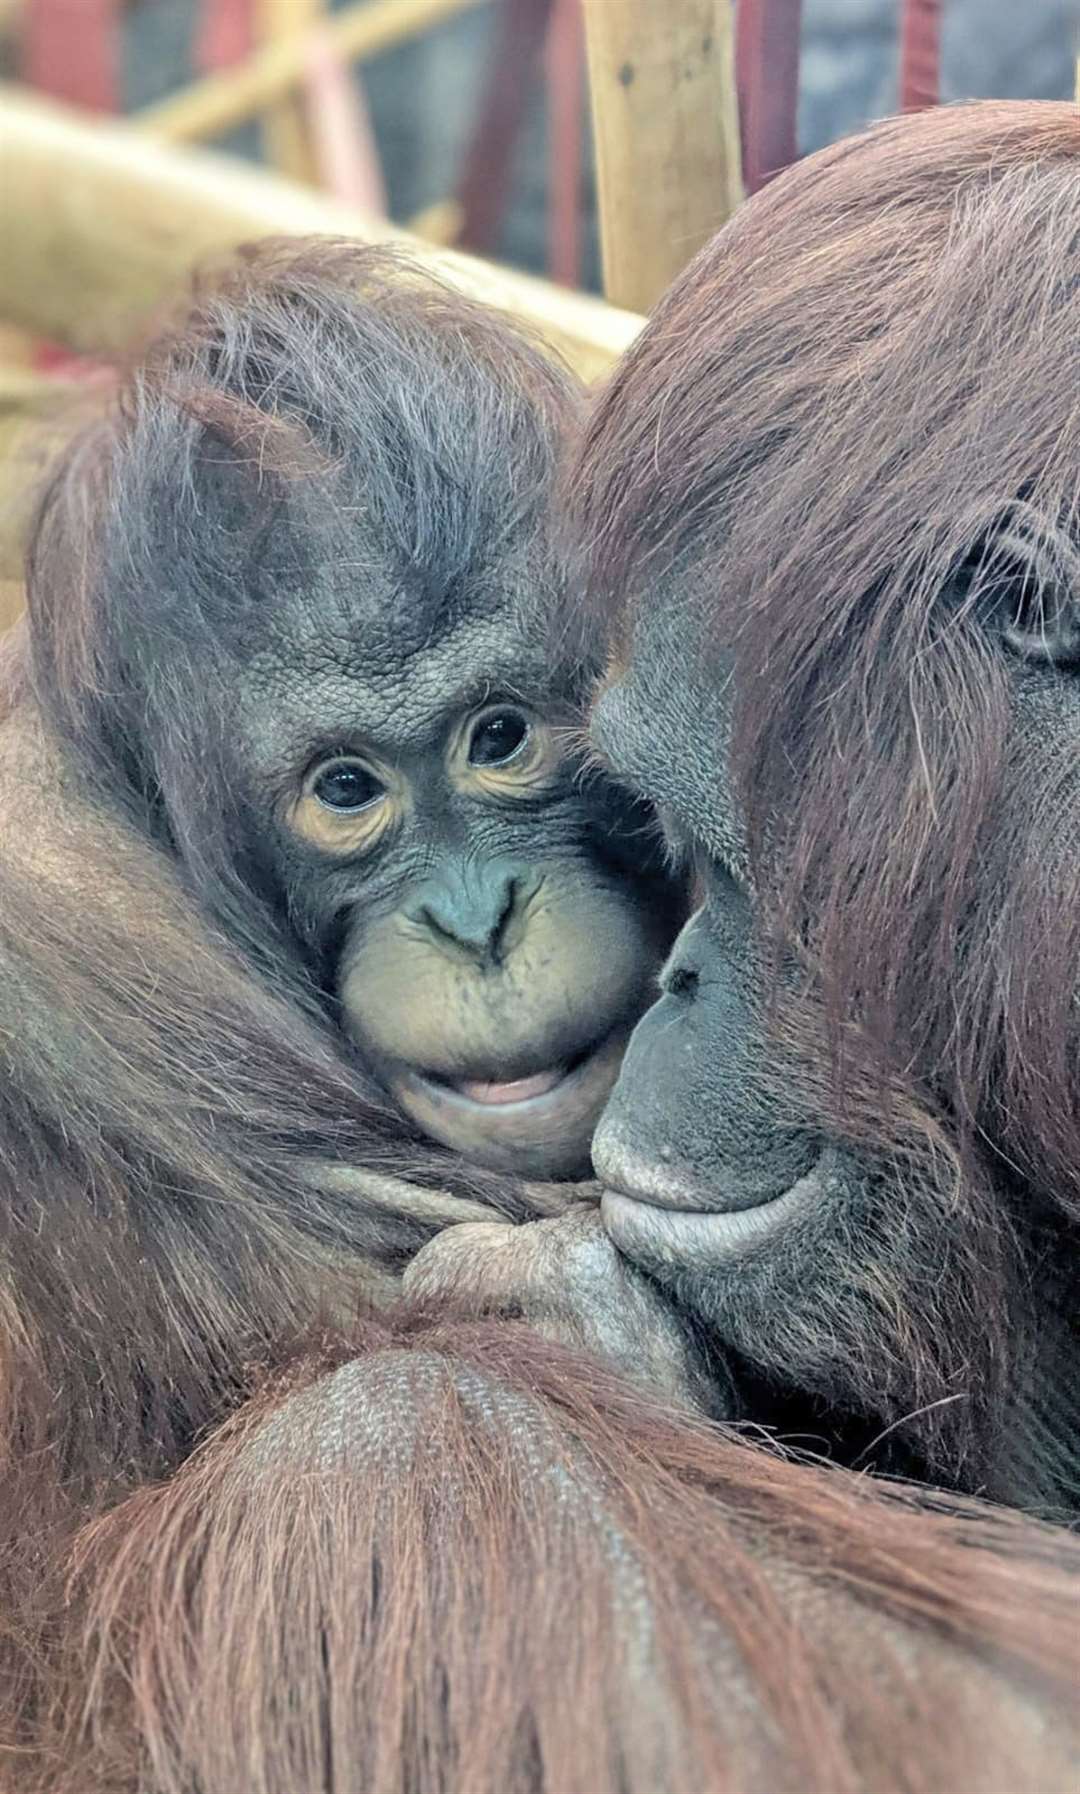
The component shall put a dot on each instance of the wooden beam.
(220, 102)
(18, 349)
(440, 222)
(100, 225)
(665, 121)
(285, 138)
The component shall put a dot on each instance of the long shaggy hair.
(424, 1557)
(439, 1556)
(398, 418)
(851, 409)
(180, 1122)
(849, 390)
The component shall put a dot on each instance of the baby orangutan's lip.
(535, 1126)
(518, 1090)
(535, 1093)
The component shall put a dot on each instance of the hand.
(565, 1279)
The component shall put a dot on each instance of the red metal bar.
(767, 77)
(70, 49)
(920, 54)
(513, 64)
(224, 34)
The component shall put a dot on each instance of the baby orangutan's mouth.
(518, 1090)
(539, 1125)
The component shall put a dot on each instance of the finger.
(490, 1262)
(549, 1200)
(396, 1195)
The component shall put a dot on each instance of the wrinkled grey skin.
(697, 1117)
(835, 1289)
(564, 1277)
(712, 1193)
(715, 1184)
(844, 1290)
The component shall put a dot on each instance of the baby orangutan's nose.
(473, 911)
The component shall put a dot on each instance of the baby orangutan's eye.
(498, 736)
(347, 786)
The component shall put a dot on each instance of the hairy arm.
(477, 1560)
(191, 1169)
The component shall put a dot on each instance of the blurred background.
(526, 133)
(472, 126)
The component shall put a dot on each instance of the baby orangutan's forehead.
(342, 684)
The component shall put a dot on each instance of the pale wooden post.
(99, 225)
(17, 348)
(665, 122)
(11, 603)
(285, 136)
(36, 413)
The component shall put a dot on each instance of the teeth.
(518, 1091)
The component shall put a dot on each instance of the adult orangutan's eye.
(498, 736)
(347, 786)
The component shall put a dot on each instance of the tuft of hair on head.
(338, 373)
(824, 434)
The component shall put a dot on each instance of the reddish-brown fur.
(890, 263)
(826, 417)
(179, 1122)
(493, 1569)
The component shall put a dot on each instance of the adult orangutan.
(833, 494)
